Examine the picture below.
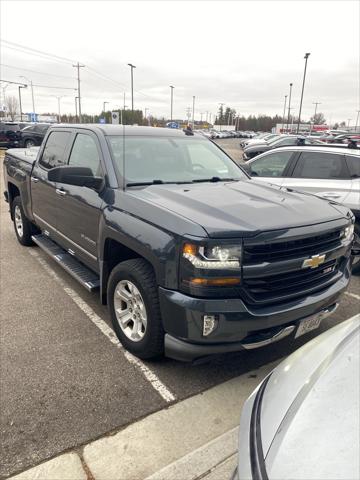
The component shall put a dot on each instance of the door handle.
(60, 191)
(34, 179)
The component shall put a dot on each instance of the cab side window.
(53, 154)
(272, 165)
(321, 165)
(84, 153)
(354, 165)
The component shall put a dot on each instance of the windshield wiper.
(215, 179)
(155, 182)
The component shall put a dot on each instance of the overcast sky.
(241, 53)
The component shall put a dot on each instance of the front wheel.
(29, 143)
(134, 308)
(23, 227)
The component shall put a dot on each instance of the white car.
(328, 172)
(303, 420)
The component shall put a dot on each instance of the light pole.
(76, 109)
(32, 92)
(357, 120)
(146, 109)
(193, 113)
(288, 119)
(132, 86)
(78, 66)
(282, 128)
(349, 119)
(59, 113)
(316, 104)
(221, 111)
(104, 106)
(171, 102)
(23, 86)
(307, 55)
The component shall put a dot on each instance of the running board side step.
(86, 277)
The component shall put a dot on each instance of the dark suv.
(33, 135)
(9, 134)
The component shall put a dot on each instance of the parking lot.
(65, 380)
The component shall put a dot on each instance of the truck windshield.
(169, 159)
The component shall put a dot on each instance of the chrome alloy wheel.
(18, 221)
(130, 310)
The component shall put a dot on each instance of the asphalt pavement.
(65, 380)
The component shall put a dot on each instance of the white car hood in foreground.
(310, 409)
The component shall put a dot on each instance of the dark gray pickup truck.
(191, 255)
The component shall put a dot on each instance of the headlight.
(213, 257)
(348, 233)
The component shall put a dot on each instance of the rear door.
(80, 207)
(272, 168)
(44, 198)
(325, 174)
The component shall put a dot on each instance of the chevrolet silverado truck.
(190, 254)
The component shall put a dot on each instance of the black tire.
(22, 234)
(29, 143)
(356, 260)
(140, 274)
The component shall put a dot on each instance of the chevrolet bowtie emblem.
(314, 261)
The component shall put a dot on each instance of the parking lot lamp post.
(32, 92)
(104, 106)
(132, 85)
(357, 120)
(311, 123)
(349, 119)
(193, 113)
(59, 113)
(288, 119)
(20, 87)
(171, 102)
(221, 105)
(282, 128)
(302, 91)
(76, 109)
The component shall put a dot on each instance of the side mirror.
(247, 168)
(79, 176)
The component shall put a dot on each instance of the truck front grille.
(291, 248)
(273, 273)
(282, 287)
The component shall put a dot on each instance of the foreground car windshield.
(171, 159)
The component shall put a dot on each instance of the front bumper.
(239, 325)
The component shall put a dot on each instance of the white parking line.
(150, 376)
(353, 295)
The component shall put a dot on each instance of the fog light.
(209, 324)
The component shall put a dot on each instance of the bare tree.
(12, 106)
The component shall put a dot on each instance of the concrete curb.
(201, 461)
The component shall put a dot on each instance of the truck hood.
(243, 208)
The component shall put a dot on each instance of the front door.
(80, 207)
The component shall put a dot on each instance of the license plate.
(308, 324)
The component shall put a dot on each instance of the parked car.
(261, 139)
(323, 171)
(284, 141)
(33, 135)
(192, 256)
(9, 134)
(302, 422)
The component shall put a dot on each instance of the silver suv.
(328, 172)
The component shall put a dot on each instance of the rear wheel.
(134, 308)
(24, 229)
